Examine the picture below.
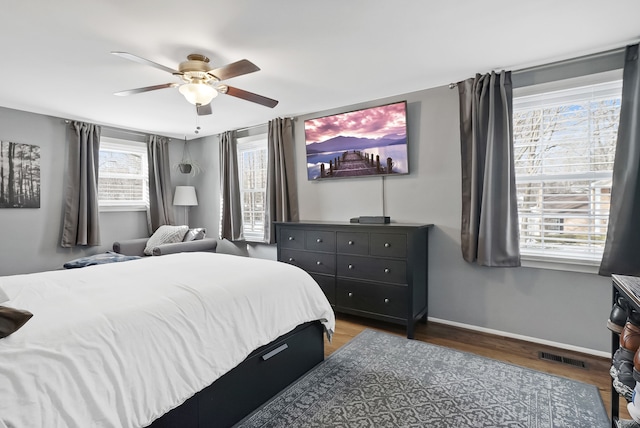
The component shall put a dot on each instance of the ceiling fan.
(200, 83)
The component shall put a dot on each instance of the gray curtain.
(282, 195)
(231, 216)
(81, 216)
(621, 251)
(160, 199)
(490, 234)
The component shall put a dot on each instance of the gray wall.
(563, 307)
(558, 306)
(207, 152)
(30, 238)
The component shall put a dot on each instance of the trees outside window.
(564, 147)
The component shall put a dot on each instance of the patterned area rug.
(382, 380)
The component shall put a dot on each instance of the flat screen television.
(360, 143)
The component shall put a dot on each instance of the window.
(564, 146)
(123, 182)
(252, 175)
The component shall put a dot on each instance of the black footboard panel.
(267, 371)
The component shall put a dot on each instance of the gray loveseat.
(135, 247)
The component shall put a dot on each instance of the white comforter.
(118, 345)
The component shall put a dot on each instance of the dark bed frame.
(264, 373)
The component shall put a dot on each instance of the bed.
(189, 340)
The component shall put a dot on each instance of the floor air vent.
(560, 359)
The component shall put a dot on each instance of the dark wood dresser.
(378, 271)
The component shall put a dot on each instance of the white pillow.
(195, 234)
(3, 296)
(165, 234)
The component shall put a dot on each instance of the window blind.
(252, 167)
(123, 176)
(564, 147)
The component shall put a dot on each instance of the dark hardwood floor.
(513, 351)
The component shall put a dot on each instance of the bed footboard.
(267, 371)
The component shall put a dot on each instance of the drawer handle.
(350, 242)
(318, 262)
(291, 238)
(319, 240)
(387, 245)
(350, 266)
(386, 300)
(350, 294)
(275, 352)
(291, 259)
(386, 270)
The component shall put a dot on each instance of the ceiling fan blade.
(250, 96)
(234, 69)
(141, 60)
(203, 110)
(146, 89)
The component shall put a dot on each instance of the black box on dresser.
(378, 271)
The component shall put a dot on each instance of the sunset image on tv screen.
(366, 142)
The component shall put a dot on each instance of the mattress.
(119, 345)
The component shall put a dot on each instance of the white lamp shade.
(198, 93)
(185, 196)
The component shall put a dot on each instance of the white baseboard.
(522, 337)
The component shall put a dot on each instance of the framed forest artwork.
(19, 175)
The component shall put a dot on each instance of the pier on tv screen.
(367, 142)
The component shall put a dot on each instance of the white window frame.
(134, 147)
(563, 260)
(246, 144)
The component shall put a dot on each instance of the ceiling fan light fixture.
(198, 93)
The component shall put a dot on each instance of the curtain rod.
(563, 62)
(111, 128)
(571, 60)
(248, 128)
(141, 134)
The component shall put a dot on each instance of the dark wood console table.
(629, 288)
(377, 271)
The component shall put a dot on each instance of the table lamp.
(185, 196)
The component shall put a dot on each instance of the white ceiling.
(314, 55)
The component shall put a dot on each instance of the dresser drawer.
(310, 261)
(320, 240)
(291, 238)
(352, 243)
(328, 285)
(389, 245)
(389, 300)
(374, 269)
